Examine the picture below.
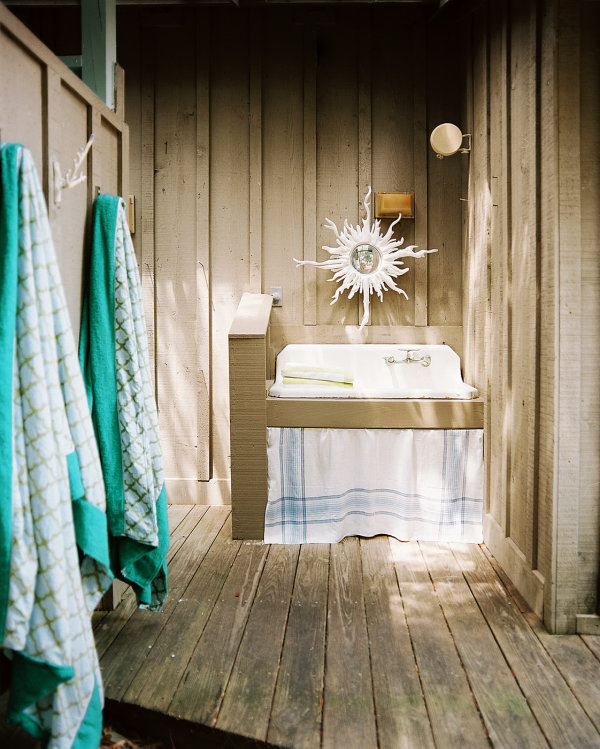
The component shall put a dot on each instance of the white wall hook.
(72, 177)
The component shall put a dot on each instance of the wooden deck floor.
(366, 643)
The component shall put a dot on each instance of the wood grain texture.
(402, 719)
(204, 681)
(247, 701)
(505, 711)
(337, 195)
(203, 262)
(455, 721)
(589, 505)
(348, 709)
(428, 635)
(136, 628)
(175, 252)
(375, 413)
(164, 665)
(248, 435)
(297, 708)
(286, 164)
(560, 716)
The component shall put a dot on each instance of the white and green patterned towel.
(114, 357)
(51, 481)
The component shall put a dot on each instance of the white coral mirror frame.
(365, 260)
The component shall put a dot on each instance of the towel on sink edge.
(113, 351)
(54, 563)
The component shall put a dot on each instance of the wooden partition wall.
(249, 127)
(532, 303)
(46, 108)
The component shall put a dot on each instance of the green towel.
(58, 566)
(310, 381)
(113, 351)
(9, 206)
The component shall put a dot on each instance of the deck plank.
(369, 642)
(297, 705)
(200, 692)
(560, 716)
(247, 702)
(181, 523)
(593, 643)
(453, 714)
(577, 664)
(157, 679)
(505, 711)
(348, 709)
(402, 719)
(142, 629)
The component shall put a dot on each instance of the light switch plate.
(275, 292)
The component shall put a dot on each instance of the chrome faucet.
(411, 356)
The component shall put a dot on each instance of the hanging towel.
(54, 564)
(113, 351)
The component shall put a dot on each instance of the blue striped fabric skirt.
(413, 484)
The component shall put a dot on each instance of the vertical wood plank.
(348, 709)
(524, 273)
(421, 155)
(393, 149)
(508, 719)
(124, 684)
(309, 272)
(444, 186)
(453, 715)
(569, 318)
(156, 681)
(297, 705)
(229, 205)
(146, 251)
(246, 706)
(499, 433)
(337, 150)
(402, 719)
(589, 544)
(175, 248)
(283, 178)
(200, 692)
(560, 716)
(255, 152)
(365, 108)
(203, 262)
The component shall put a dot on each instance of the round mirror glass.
(365, 258)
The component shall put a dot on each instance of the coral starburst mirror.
(365, 260)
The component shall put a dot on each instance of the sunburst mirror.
(365, 260)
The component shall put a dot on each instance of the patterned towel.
(48, 456)
(113, 351)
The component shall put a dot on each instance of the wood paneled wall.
(248, 128)
(45, 107)
(532, 308)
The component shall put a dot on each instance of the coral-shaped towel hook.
(72, 177)
(365, 260)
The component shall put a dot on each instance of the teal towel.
(53, 519)
(113, 351)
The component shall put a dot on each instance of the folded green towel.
(309, 381)
(313, 372)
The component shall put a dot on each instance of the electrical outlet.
(275, 292)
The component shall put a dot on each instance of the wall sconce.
(447, 139)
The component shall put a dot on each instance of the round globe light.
(446, 139)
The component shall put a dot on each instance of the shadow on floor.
(171, 732)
